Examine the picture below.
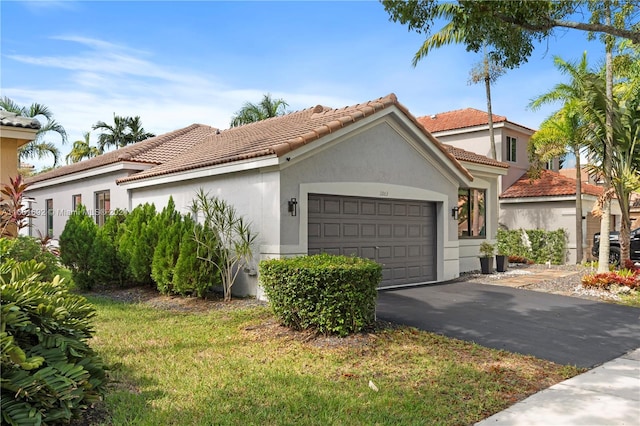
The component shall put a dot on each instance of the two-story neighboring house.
(544, 203)
(469, 129)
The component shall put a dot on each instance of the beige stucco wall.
(550, 216)
(12, 138)
(478, 141)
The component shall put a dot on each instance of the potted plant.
(502, 259)
(486, 257)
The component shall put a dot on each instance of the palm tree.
(82, 149)
(564, 129)
(38, 148)
(558, 133)
(488, 72)
(123, 132)
(267, 108)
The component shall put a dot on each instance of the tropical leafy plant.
(13, 214)
(49, 372)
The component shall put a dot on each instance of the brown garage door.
(398, 234)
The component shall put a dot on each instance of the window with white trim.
(511, 149)
(102, 207)
(472, 213)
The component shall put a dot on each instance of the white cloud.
(106, 78)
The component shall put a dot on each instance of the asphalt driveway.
(566, 330)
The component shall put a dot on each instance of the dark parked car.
(614, 242)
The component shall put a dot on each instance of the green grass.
(631, 299)
(240, 367)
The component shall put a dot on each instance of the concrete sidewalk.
(607, 395)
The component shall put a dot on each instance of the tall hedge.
(49, 372)
(537, 245)
(76, 244)
(332, 294)
(139, 241)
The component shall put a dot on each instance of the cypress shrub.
(332, 294)
(166, 254)
(139, 241)
(76, 245)
(108, 265)
(191, 274)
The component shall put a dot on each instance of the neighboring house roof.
(549, 184)
(156, 150)
(458, 119)
(11, 119)
(278, 136)
(472, 157)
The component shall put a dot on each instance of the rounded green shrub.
(332, 294)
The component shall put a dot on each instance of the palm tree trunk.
(579, 236)
(603, 255)
(487, 85)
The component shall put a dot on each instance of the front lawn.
(238, 366)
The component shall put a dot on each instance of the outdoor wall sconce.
(454, 212)
(293, 206)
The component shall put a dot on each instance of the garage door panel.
(398, 234)
(399, 231)
(350, 230)
(384, 252)
(384, 209)
(399, 209)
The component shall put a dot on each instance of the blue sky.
(177, 63)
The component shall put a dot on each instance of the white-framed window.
(472, 213)
(512, 149)
(76, 200)
(102, 206)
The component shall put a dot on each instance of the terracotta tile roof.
(12, 119)
(458, 119)
(549, 184)
(278, 136)
(472, 157)
(156, 150)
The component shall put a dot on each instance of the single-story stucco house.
(367, 180)
(549, 202)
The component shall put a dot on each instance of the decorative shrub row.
(604, 281)
(140, 247)
(536, 245)
(49, 372)
(332, 294)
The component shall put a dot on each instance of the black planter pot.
(502, 262)
(486, 265)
